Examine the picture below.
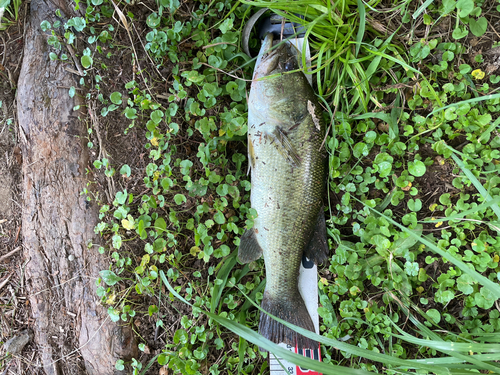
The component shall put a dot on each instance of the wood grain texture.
(73, 332)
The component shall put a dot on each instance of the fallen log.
(72, 330)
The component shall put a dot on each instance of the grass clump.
(9, 13)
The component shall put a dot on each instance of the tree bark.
(58, 223)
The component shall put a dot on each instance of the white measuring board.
(308, 288)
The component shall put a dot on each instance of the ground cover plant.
(409, 93)
(9, 13)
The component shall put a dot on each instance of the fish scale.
(288, 172)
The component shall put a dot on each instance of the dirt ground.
(14, 309)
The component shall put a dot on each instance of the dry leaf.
(121, 15)
(383, 127)
(128, 225)
(311, 109)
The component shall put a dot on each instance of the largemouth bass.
(288, 173)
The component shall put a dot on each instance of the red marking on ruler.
(309, 353)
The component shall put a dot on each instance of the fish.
(288, 178)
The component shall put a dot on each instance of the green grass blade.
(480, 188)
(393, 124)
(355, 350)
(242, 317)
(484, 337)
(380, 115)
(470, 211)
(372, 68)
(435, 339)
(362, 25)
(452, 348)
(422, 8)
(410, 68)
(148, 366)
(223, 274)
(257, 339)
(473, 100)
(493, 287)
(446, 346)
(452, 360)
(253, 295)
(319, 81)
(485, 136)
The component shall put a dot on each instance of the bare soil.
(15, 314)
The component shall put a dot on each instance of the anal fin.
(317, 249)
(250, 249)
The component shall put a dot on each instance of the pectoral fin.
(317, 249)
(250, 249)
(285, 147)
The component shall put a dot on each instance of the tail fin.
(294, 311)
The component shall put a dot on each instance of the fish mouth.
(270, 57)
(267, 44)
(275, 59)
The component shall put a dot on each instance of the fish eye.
(290, 63)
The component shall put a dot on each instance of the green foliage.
(400, 248)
